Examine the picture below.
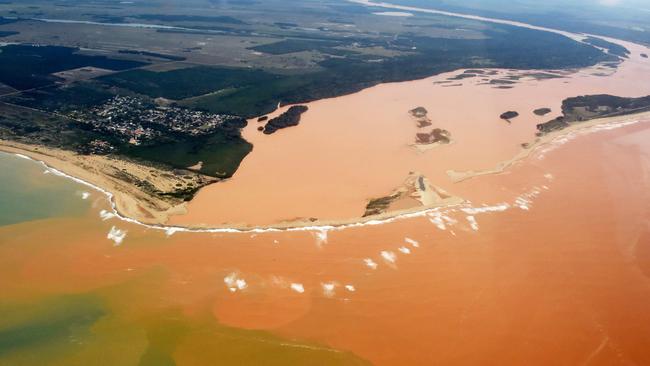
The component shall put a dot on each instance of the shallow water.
(29, 193)
(554, 270)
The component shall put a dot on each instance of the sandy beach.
(106, 173)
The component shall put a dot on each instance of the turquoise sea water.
(27, 193)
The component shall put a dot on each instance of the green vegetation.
(31, 126)
(25, 67)
(377, 206)
(612, 48)
(221, 152)
(287, 119)
(301, 45)
(188, 82)
(509, 115)
(253, 92)
(153, 54)
(63, 98)
(587, 107)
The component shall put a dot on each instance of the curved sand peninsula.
(353, 149)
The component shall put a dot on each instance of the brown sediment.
(350, 148)
(416, 193)
(562, 270)
(529, 147)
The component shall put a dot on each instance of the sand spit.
(551, 139)
(107, 175)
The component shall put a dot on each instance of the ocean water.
(549, 264)
(28, 193)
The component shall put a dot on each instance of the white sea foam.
(106, 215)
(23, 156)
(328, 288)
(478, 210)
(171, 231)
(404, 250)
(116, 235)
(234, 282)
(413, 243)
(370, 263)
(388, 256)
(298, 287)
(350, 288)
(436, 219)
(523, 203)
(321, 236)
(472, 222)
(448, 220)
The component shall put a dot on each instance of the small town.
(138, 120)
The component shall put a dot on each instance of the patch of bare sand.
(132, 185)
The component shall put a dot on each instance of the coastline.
(135, 206)
(546, 139)
(101, 173)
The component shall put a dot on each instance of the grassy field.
(27, 67)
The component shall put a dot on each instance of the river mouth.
(350, 151)
(554, 234)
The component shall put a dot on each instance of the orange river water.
(555, 271)
(548, 263)
(351, 149)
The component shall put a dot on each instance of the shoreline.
(546, 139)
(124, 206)
(95, 171)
